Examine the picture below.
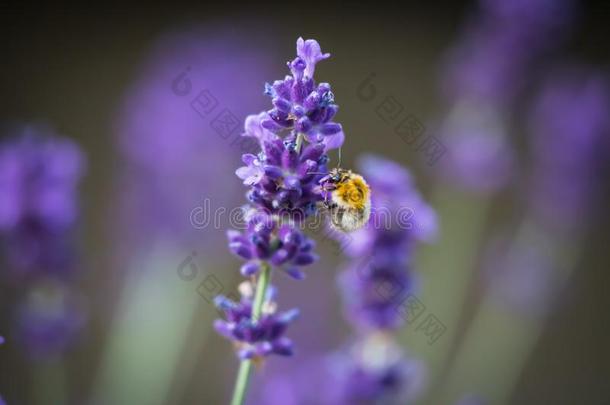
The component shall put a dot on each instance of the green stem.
(299, 144)
(245, 368)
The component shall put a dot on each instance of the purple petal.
(223, 328)
(304, 125)
(305, 259)
(250, 268)
(280, 257)
(246, 353)
(273, 172)
(311, 53)
(283, 346)
(253, 127)
(292, 183)
(312, 152)
(248, 159)
(282, 104)
(243, 172)
(289, 316)
(263, 348)
(240, 249)
(330, 128)
(333, 141)
(312, 101)
(233, 234)
(295, 273)
(270, 124)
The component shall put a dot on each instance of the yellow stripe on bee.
(354, 192)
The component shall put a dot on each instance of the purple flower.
(39, 175)
(301, 106)
(499, 45)
(376, 371)
(484, 73)
(282, 178)
(255, 337)
(379, 277)
(371, 371)
(284, 175)
(569, 125)
(266, 240)
(372, 292)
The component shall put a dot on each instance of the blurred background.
(514, 95)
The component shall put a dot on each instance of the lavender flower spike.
(39, 175)
(282, 179)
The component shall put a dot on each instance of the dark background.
(70, 67)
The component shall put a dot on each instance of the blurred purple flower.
(479, 161)
(376, 371)
(377, 281)
(482, 75)
(372, 371)
(179, 132)
(39, 175)
(255, 337)
(499, 44)
(569, 127)
(372, 293)
(49, 320)
(379, 277)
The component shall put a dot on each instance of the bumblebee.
(349, 205)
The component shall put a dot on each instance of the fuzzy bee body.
(350, 199)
